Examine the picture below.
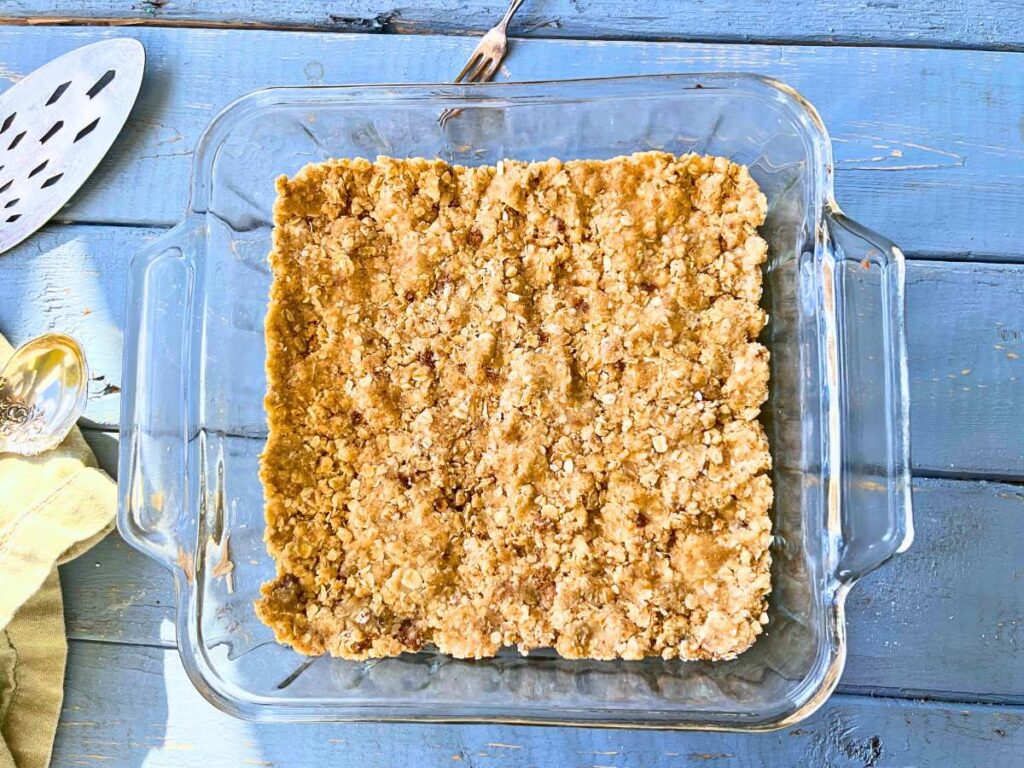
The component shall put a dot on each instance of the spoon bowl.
(43, 389)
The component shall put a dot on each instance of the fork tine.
(474, 59)
(485, 59)
(447, 115)
(480, 68)
(487, 72)
(477, 75)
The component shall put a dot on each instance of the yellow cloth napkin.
(53, 507)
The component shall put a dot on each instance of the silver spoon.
(43, 389)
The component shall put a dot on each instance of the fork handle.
(512, 8)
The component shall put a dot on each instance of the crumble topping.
(517, 406)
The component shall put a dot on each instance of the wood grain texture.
(114, 594)
(132, 706)
(72, 280)
(966, 375)
(911, 624)
(961, 317)
(928, 151)
(946, 618)
(928, 143)
(990, 23)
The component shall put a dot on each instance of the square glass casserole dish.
(193, 422)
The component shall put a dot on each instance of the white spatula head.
(56, 125)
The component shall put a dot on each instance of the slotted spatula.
(56, 125)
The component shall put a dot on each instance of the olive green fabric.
(33, 649)
(53, 507)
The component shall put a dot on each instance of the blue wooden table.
(925, 103)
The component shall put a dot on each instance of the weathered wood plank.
(927, 142)
(965, 329)
(946, 618)
(911, 624)
(133, 706)
(962, 317)
(72, 280)
(990, 23)
(115, 594)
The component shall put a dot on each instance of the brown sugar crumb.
(517, 406)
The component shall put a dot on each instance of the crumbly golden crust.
(517, 406)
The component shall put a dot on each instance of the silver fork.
(483, 63)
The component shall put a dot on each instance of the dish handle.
(875, 508)
(155, 413)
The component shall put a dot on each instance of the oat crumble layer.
(517, 406)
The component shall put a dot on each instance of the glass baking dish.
(193, 422)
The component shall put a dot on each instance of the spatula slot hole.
(53, 129)
(6, 186)
(52, 180)
(102, 83)
(17, 140)
(58, 93)
(7, 121)
(12, 203)
(38, 168)
(87, 130)
(14, 218)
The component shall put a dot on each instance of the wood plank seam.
(529, 28)
(926, 144)
(902, 694)
(72, 638)
(872, 692)
(909, 624)
(136, 707)
(919, 694)
(952, 256)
